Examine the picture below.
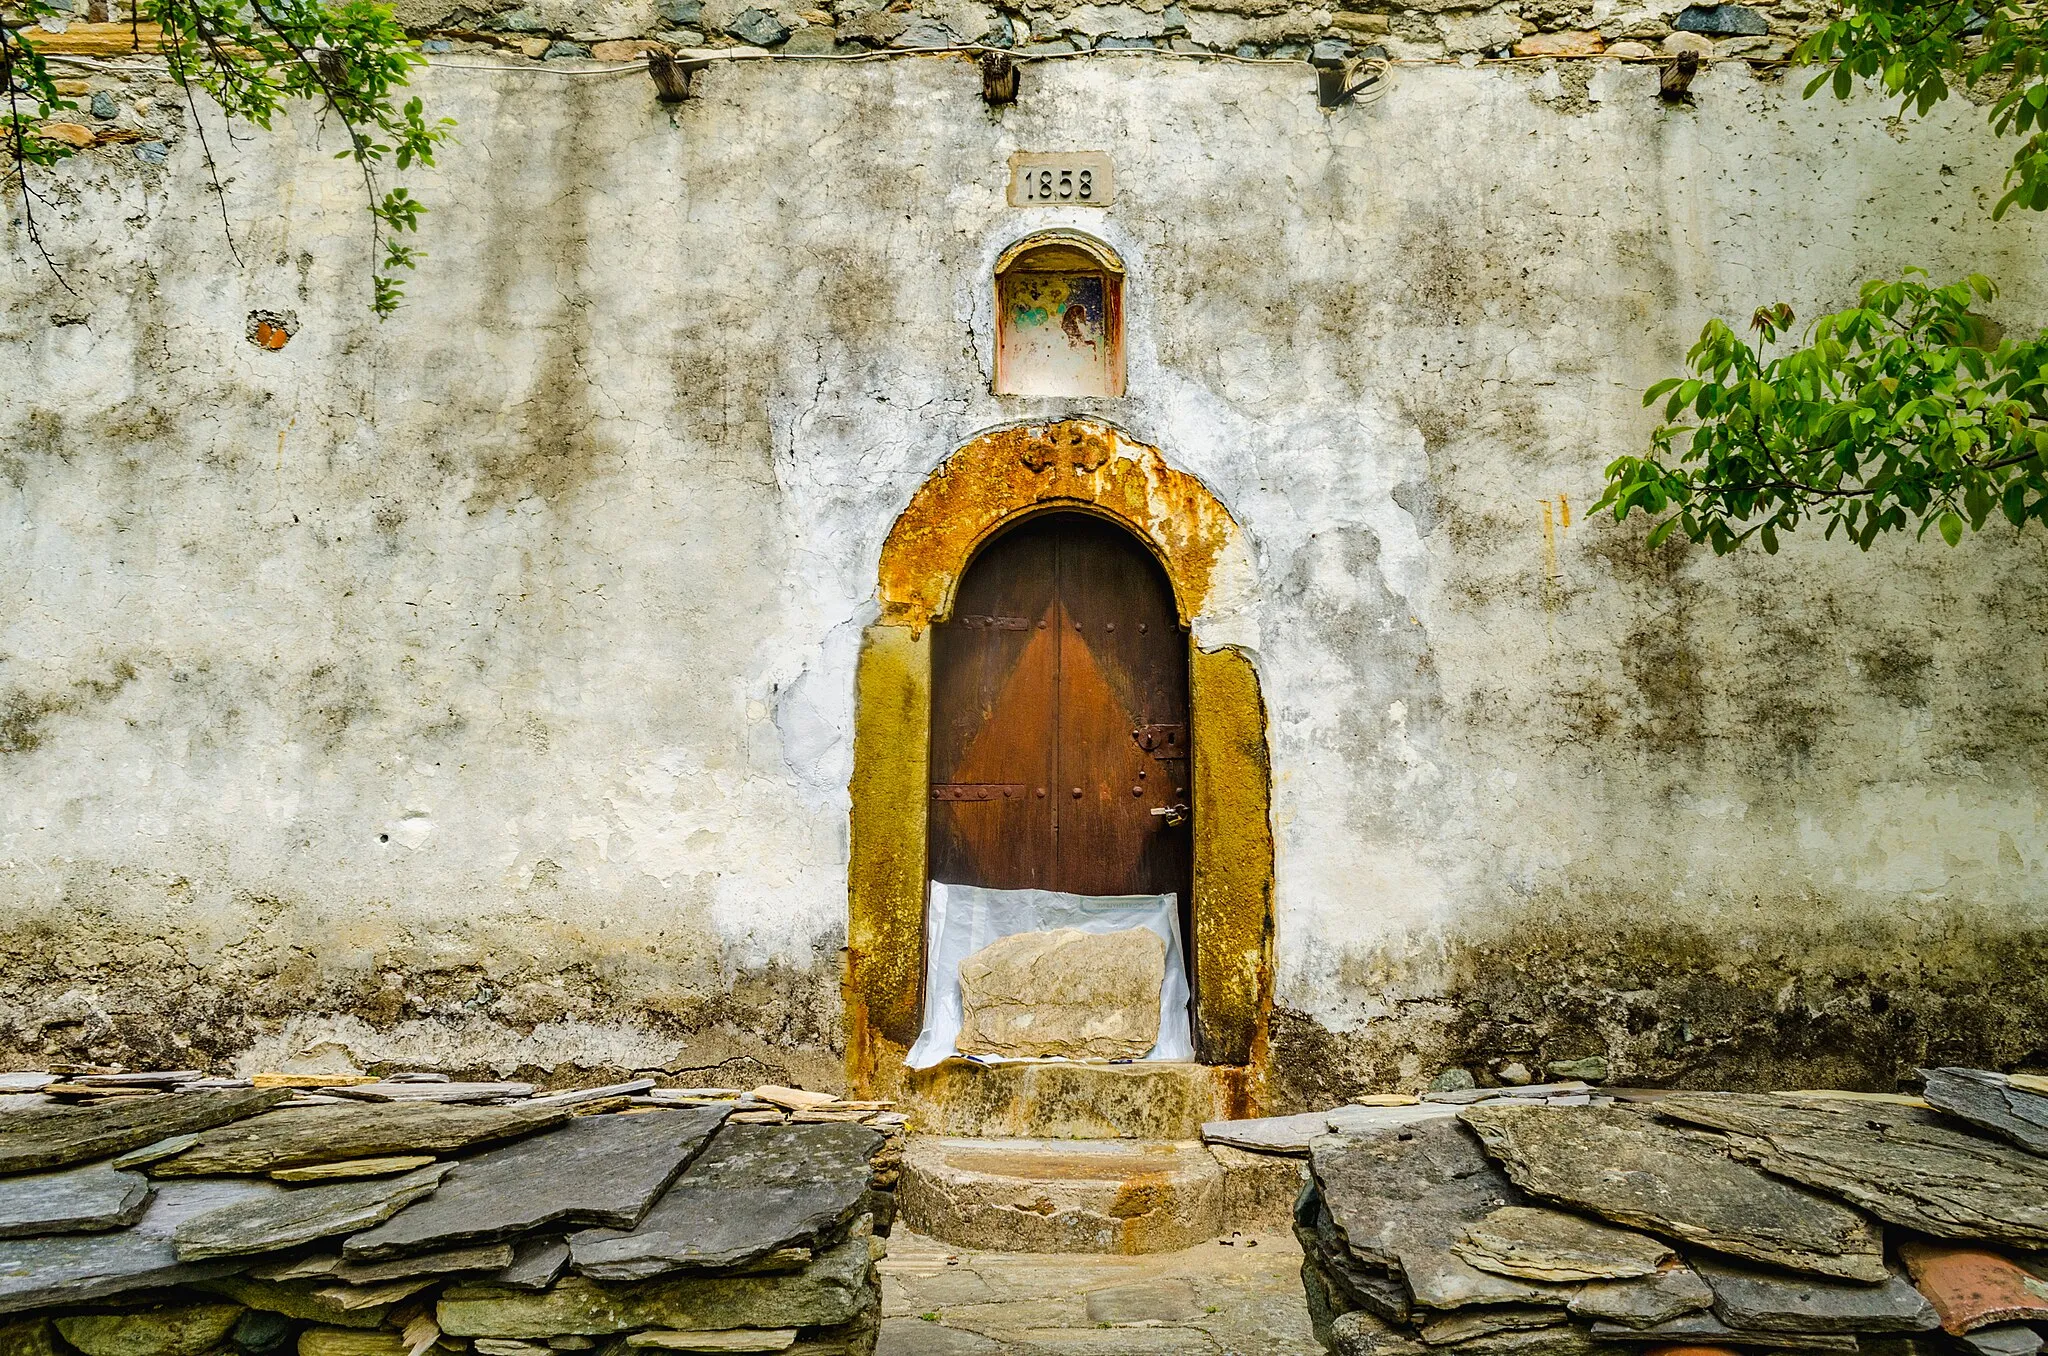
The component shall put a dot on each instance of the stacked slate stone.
(1827, 1222)
(172, 1215)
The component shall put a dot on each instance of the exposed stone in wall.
(612, 31)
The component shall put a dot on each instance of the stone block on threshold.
(1087, 995)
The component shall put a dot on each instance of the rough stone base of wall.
(1666, 1006)
(109, 996)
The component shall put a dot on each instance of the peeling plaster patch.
(411, 829)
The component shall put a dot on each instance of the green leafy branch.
(254, 58)
(31, 98)
(1918, 51)
(1895, 411)
(1898, 410)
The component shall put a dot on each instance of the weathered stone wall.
(1249, 29)
(474, 689)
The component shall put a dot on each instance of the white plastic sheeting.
(962, 919)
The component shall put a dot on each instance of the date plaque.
(1061, 179)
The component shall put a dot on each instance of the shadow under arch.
(985, 486)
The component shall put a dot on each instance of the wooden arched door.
(1059, 744)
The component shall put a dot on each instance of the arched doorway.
(975, 498)
(1060, 757)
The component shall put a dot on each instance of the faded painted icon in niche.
(1059, 317)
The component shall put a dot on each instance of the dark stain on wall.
(78, 987)
(1669, 1004)
(25, 714)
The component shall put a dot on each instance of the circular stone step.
(1063, 1195)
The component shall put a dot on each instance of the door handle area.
(1174, 815)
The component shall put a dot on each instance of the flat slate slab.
(1696, 1330)
(1291, 1134)
(300, 1215)
(1363, 1286)
(1992, 1102)
(1643, 1301)
(1528, 1092)
(1485, 1320)
(1772, 1301)
(154, 1153)
(353, 1167)
(1358, 1333)
(2003, 1339)
(47, 1137)
(298, 1136)
(1678, 1184)
(536, 1264)
(41, 1273)
(484, 1257)
(1906, 1166)
(1550, 1245)
(600, 1170)
(86, 1200)
(1401, 1199)
(835, 1288)
(757, 1188)
(443, 1091)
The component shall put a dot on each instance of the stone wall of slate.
(1507, 1220)
(182, 1216)
(1399, 30)
(1424, 30)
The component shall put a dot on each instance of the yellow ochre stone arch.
(984, 486)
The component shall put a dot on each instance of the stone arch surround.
(990, 482)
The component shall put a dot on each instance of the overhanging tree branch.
(346, 57)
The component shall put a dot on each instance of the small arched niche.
(1059, 317)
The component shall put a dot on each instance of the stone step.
(1057, 1100)
(1082, 1196)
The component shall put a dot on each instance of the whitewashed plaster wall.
(473, 690)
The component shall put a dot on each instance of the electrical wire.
(1374, 69)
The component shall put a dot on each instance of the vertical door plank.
(994, 685)
(1123, 667)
